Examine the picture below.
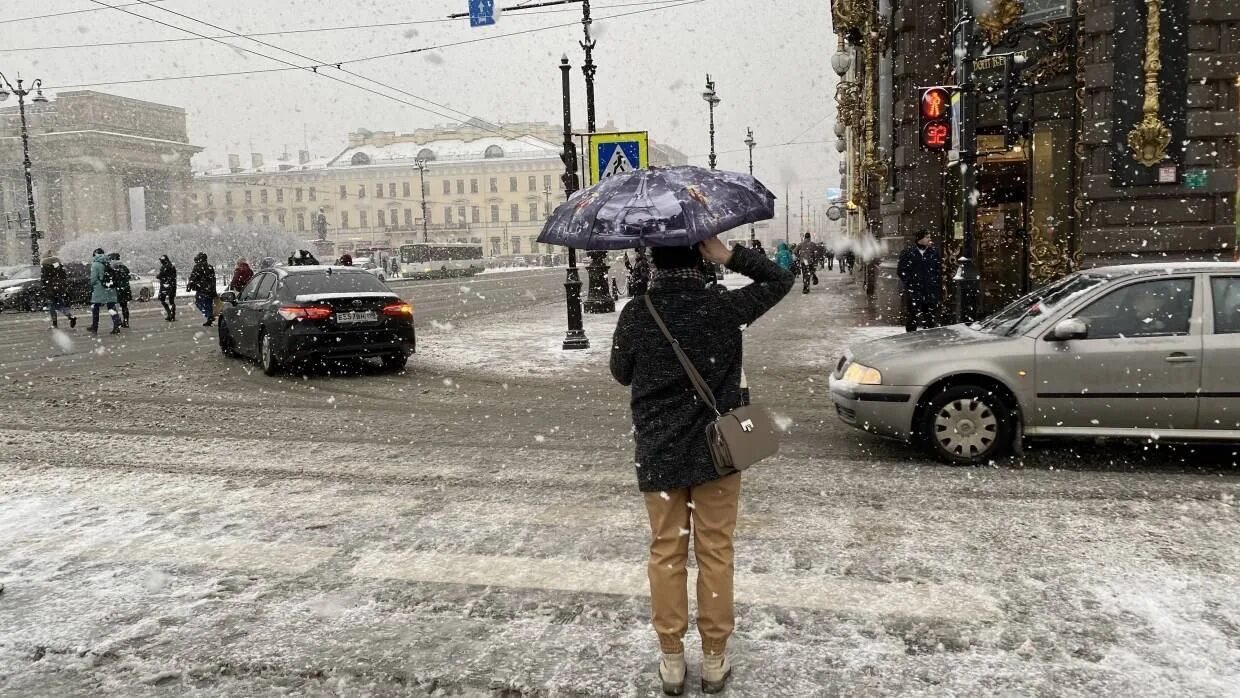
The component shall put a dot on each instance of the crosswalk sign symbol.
(613, 153)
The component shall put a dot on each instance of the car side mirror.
(229, 297)
(1072, 328)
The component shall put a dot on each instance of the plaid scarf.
(659, 277)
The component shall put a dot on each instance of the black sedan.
(24, 290)
(300, 316)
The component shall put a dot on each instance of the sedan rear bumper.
(884, 410)
(306, 344)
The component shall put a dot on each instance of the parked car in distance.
(369, 265)
(23, 290)
(295, 316)
(1138, 351)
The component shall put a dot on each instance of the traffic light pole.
(967, 286)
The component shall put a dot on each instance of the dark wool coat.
(202, 280)
(669, 419)
(120, 272)
(167, 277)
(55, 280)
(920, 275)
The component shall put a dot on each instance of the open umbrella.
(658, 207)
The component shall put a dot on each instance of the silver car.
(1140, 351)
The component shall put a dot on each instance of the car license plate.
(356, 317)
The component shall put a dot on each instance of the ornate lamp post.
(421, 165)
(7, 87)
(712, 98)
(575, 338)
(749, 141)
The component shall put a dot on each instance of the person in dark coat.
(124, 292)
(55, 282)
(674, 467)
(303, 258)
(919, 271)
(639, 272)
(806, 254)
(167, 278)
(757, 247)
(346, 260)
(202, 285)
(242, 273)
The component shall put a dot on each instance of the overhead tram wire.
(312, 30)
(62, 14)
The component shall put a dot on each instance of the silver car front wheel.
(967, 425)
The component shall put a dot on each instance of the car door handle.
(1180, 358)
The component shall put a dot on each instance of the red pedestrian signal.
(934, 116)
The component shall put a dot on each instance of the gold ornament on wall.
(1150, 138)
(848, 103)
(1002, 15)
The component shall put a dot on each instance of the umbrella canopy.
(658, 207)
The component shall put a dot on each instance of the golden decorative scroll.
(1002, 15)
(1150, 138)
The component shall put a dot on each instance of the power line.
(62, 14)
(351, 27)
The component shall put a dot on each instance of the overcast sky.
(769, 59)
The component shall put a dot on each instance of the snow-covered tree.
(223, 244)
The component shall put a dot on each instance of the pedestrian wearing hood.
(124, 292)
(167, 278)
(102, 292)
(303, 258)
(241, 276)
(346, 260)
(202, 284)
(55, 282)
(783, 256)
(684, 492)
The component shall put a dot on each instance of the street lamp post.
(749, 141)
(712, 98)
(37, 86)
(421, 165)
(575, 338)
(598, 297)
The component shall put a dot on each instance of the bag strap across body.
(699, 383)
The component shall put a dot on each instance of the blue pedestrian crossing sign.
(481, 13)
(613, 153)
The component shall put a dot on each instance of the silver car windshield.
(1025, 312)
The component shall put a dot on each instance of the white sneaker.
(672, 673)
(715, 672)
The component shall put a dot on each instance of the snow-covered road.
(175, 523)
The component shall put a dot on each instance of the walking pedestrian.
(783, 257)
(919, 271)
(124, 292)
(303, 258)
(55, 282)
(639, 272)
(202, 284)
(167, 278)
(102, 292)
(757, 247)
(684, 492)
(830, 255)
(807, 258)
(242, 273)
(346, 260)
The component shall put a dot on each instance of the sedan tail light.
(305, 312)
(398, 310)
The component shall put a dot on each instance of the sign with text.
(613, 153)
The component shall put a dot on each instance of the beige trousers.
(708, 512)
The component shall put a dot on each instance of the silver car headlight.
(862, 375)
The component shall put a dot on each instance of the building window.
(391, 190)
(405, 190)
(512, 184)
(209, 200)
(447, 215)
(344, 220)
(473, 186)
(546, 182)
(194, 196)
(534, 211)
(361, 191)
(408, 218)
(494, 185)
(380, 218)
(361, 219)
(477, 215)
(460, 213)
(266, 219)
(262, 196)
(249, 218)
(516, 245)
(514, 213)
(379, 191)
(228, 198)
(229, 218)
(280, 218)
(394, 218)
(460, 186)
(344, 192)
(249, 196)
(493, 151)
(301, 221)
(495, 251)
(494, 213)
(297, 194)
(533, 182)
(279, 196)
(534, 245)
(314, 194)
(447, 187)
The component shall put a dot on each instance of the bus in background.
(429, 258)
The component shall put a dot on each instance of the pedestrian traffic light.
(934, 118)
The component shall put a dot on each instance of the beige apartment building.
(492, 185)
